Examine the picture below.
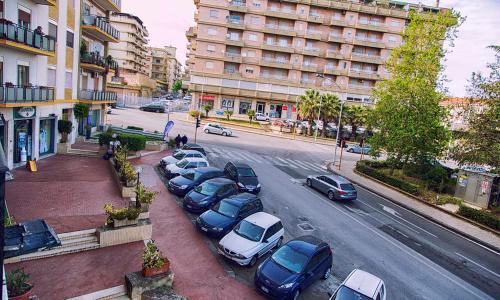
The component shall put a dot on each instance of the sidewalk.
(455, 224)
(198, 274)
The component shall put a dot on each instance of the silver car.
(217, 129)
(336, 187)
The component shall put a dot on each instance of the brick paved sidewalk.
(198, 274)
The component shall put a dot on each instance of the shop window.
(244, 107)
(46, 136)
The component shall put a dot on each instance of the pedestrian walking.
(184, 140)
(178, 141)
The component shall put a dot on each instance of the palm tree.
(330, 108)
(207, 108)
(308, 107)
(250, 114)
(228, 113)
(356, 116)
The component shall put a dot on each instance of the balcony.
(95, 62)
(316, 19)
(277, 77)
(235, 23)
(334, 70)
(281, 13)
(338, 22)
(234, 42)
(111, 5)
(369, 42)
(367, 58)
(100, 29)
(311, 51)
(313, 34)
(25, 40)
(239, 6)
(192, 32)
(282, 30)
(336, 38)
(275, 63)
(335, 54)
(308, 82)
(232, 57)
(365, 74)
(360, 89)
(277, 47)
(12, 94)
(230, 73)
(308, 67)
(97, 96)
(46, 2)
(372, 25)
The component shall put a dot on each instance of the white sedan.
(217, 129)
(181, 166)
(179, 155)
(252, 238)
(261, 117)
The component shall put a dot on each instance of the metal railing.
(101, 23)
(94, 95)
(278, 27)
(13, 93)
(12, 32)
(95, 58)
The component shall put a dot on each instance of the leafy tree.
(177, 86)
(250, 114)
(228, 113)
(194, 113)
(308, 107)
(207, 108)
(330, 108)
(355, 116)
(480, 143)
(407, 111)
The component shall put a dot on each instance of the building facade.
(38, 75)
(264, 54)
(165, 68)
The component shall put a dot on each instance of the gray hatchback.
(336, 187)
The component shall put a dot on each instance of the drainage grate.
(306, 227)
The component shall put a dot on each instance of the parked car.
(217, 129)
(108, 110)
(192, 146)
(182, 184)
(152, 107)
(336, 187)
(244, 176)
(252, 238)
(219, 220)
(180, 155)
(294, 267)
(261, 117)
(209, 193)
(355, 148)
(174, 170)
(360, 285)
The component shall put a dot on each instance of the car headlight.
(241, 185)
(239, 256)
(217, 228)
(258, 185)
(286, 286)
(184, 187)
(203, 202)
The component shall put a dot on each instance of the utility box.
(478, 188)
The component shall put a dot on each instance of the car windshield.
(179, 155)
(192, 175)
(290, 259)
(249, 231)
(227, 209)
(181, 164)
(345, 293)
(246, 172)
(347, 187)
(206, 189)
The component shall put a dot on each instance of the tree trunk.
(353, 132)
(323, 131)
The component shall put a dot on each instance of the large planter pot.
(24, 296)
(148, 272)
(125, 222)
(144, 207)
(62, 148)
(88, 133)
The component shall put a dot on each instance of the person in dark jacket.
(184, 140)
(178, 141)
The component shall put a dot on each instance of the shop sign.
(24, 112)
(294, 109)
(219, 112)
(208, 98)
(284, 108)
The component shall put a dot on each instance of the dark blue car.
(207, 194)
(294, 267)
(182, 184)
(219, 220)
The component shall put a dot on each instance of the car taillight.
(342, 193)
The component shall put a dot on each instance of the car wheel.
(296, 295)
(157, 111)
(350, 150)
(207, 131)
(309, 182)
(224, 133)
(253, 261)
(327, 274)
(331, 195)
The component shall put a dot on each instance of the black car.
(209, 193)
(243, 175)
(192, 146)
(158, 108)
(182, 184)
(28, 237)
(222, 217)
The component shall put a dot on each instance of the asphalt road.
(417, 259)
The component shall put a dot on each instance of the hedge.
(395, 182)
(134, 142)
(135, 128)
(105, 138)
(480, 216)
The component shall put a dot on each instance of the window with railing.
(101, 23)
(18, 34)
(13, 93)
(94, 95)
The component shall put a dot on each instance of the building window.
(256, 3)
(211, 48)
(53, 30)
(244, 107)
(209, 65)
(212, 31)
(392, 39)
(395, 23)
(1, 9)
(227, 104)
(254, 20)
(24, 17)
(23, 75)
(68, 83)
(251, 53)
(51, 77)
(249, 70)
(69, 39)
(214, 13)
(252, 37)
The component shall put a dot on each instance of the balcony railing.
(275, 60)
(101, 23)
(23, 94)
(94, 95)
(94, 58)
(236, 21)
(273, 76)
(12, 32)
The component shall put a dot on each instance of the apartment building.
(131, 55)
(165, 68)
(38, 75)
(264, 54)
(96, 63)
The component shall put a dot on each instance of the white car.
(217, 129)
(261, 117)
(179, 155)
(179, 167)
(360, 285)
(252, 238)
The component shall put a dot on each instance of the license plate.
(264, 289)
(250, 190)
(204, 229)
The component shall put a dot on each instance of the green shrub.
(134, 142)
(408, 187)
(445, 199)
(376, 164)
(105, 138)
(171, 143)
(480, 216)
(135, 128)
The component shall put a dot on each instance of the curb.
(434, 220)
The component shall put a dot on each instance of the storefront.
(23, 133)
(47, 136)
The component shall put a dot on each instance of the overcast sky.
(168, 20)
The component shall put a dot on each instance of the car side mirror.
(265, 241)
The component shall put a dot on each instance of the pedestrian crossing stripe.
(288, 164)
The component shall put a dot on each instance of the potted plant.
(128, 174)
(119, 217)
(88, 131)
(18, 287)
(154, 263)
(65, 127)
(144, 197)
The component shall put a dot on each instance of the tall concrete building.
(165, 68)
(264, 54)
(131, 54)
(39, 61)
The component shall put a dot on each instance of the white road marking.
(389, 210)
(252, 157)
(286, 163)
(482, 267)
(303, 165)
(295, 163)
(310, 164)
(394, 220)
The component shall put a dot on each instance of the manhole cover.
(306, 227)
(303, 219)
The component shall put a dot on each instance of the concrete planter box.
(136, 284)
(156, 146)
(280, 129)
(144, 215)
(125, 222)
(125, 191)
(62, 148)
(108, 236)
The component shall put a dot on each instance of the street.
(416, 258)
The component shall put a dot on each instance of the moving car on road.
(293, 267)
(192, 146)
(217, 129)
(174, 170)
(153, 107)
(360, 285)
(261, 117)
(244, 176)
(180, 155)
(219, 220)
(182, 184)
(252, 238)
(334, 186)
(209, 193)
(358, 149)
